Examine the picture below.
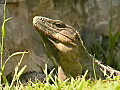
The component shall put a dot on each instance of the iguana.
(65, 44)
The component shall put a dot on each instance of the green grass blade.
(4, 16)
(3, 27)
(14, 54)
(5, 80)
(21, 71)
(17, 68)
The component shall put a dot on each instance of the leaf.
(21, 71)
(0, 73)
(16, 53)
(3, 27)
(5, 80)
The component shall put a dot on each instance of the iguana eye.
(60, 25)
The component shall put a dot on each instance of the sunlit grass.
(72, 84)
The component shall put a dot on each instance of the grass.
(73, 84)
(80, 83)
(3, 65)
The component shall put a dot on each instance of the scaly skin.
(65, 44)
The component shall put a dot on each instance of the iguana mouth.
(57, 30)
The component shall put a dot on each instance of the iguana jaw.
(55, 29)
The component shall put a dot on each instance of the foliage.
(3, 65)
(108, 50)
(70, 84)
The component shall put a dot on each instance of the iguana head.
(64, 35)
